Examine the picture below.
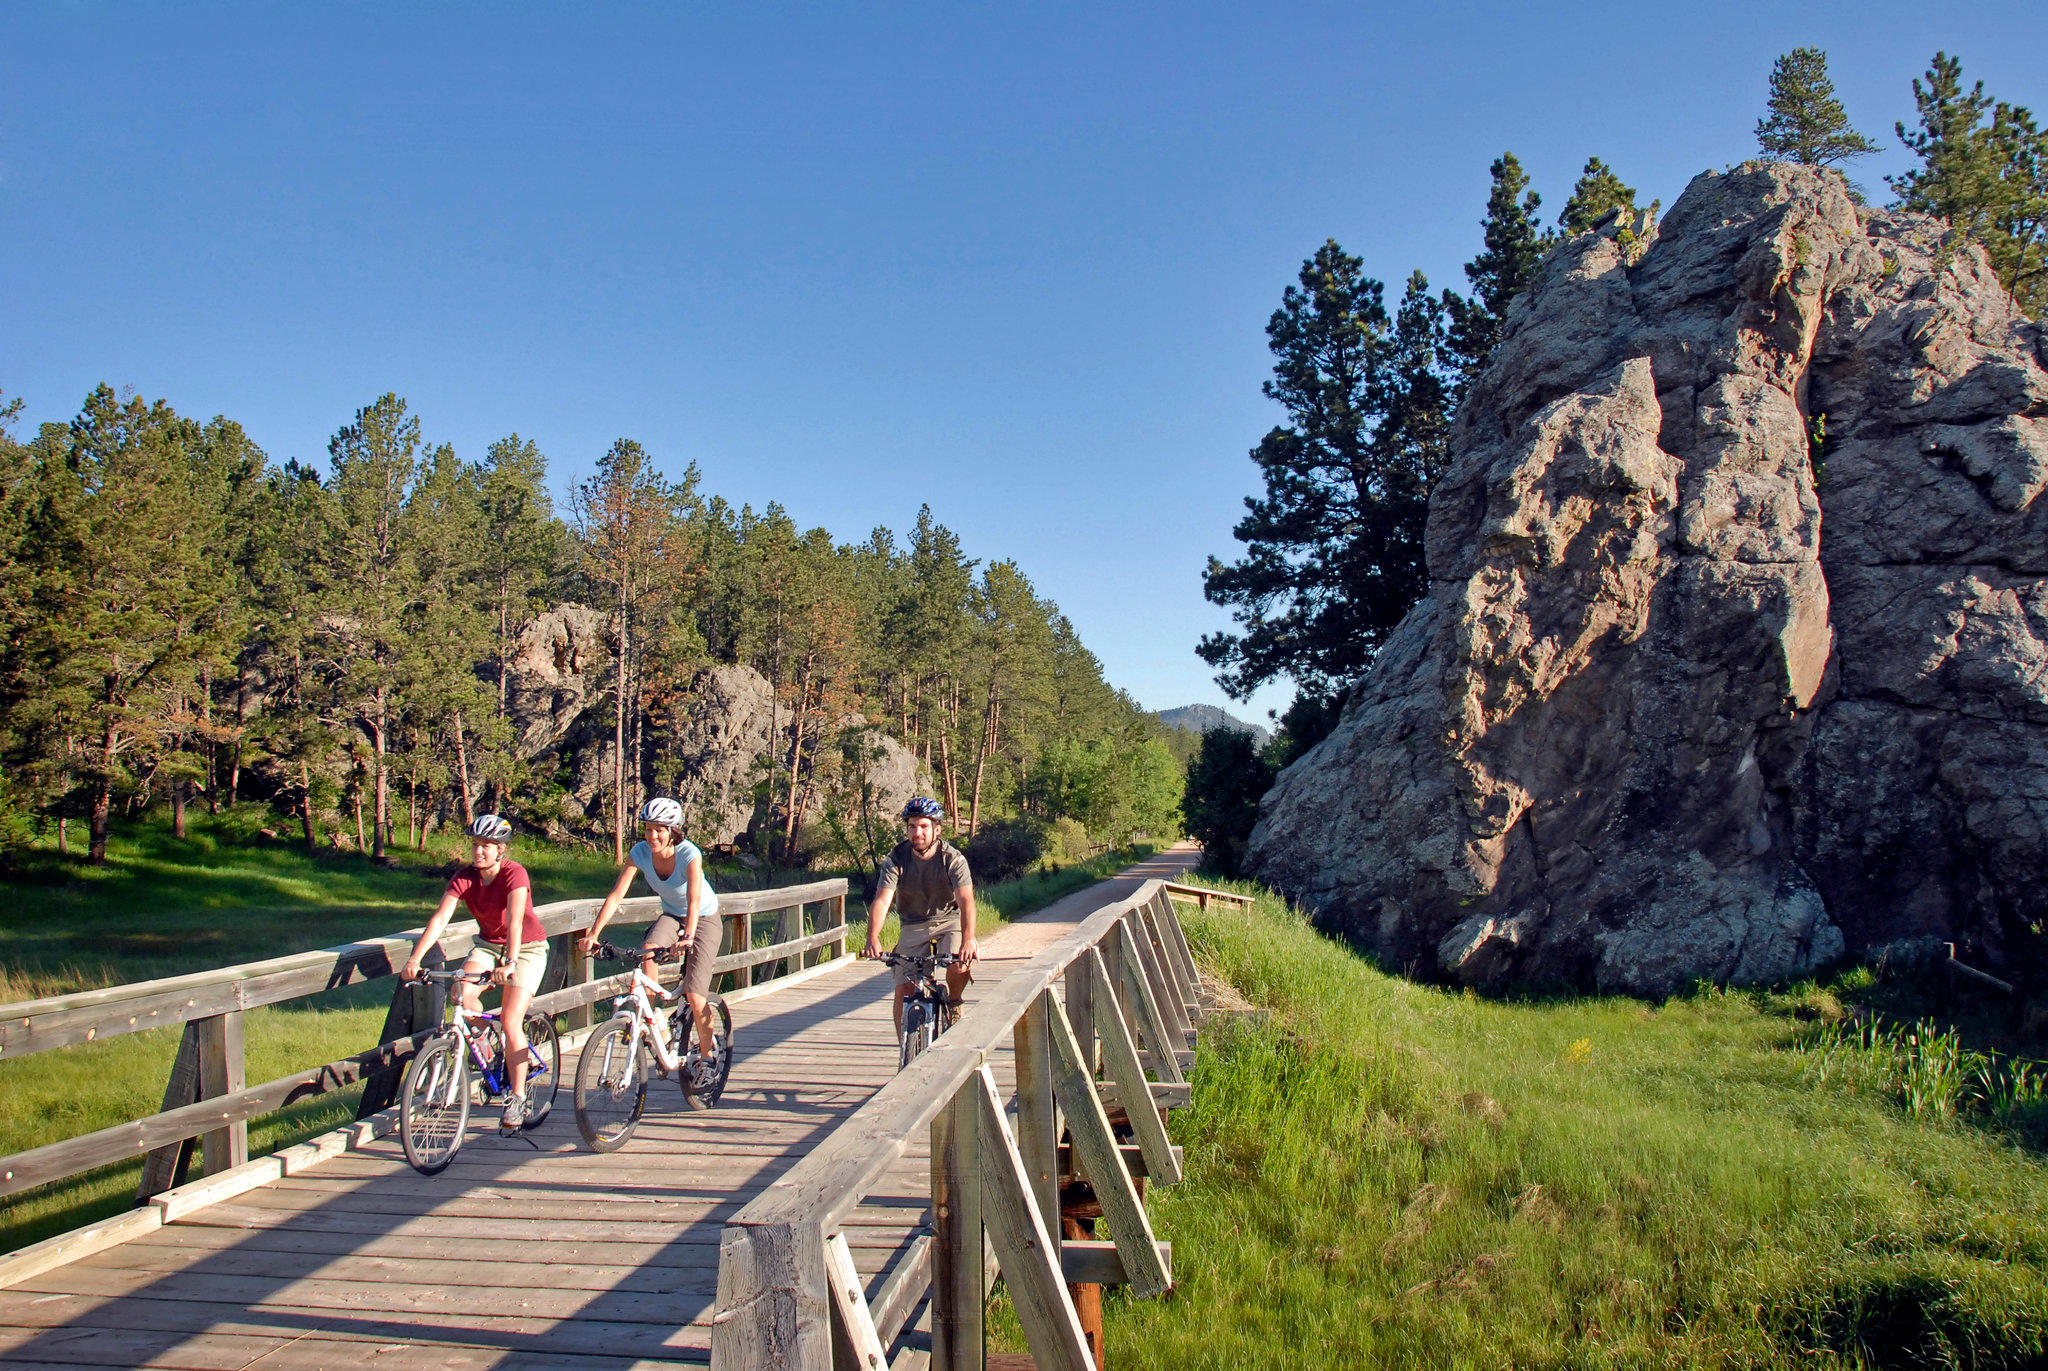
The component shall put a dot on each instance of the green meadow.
(1387, 1174)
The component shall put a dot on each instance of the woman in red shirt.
(511, 944)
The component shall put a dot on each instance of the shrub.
(1004, 849)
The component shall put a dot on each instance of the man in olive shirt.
(928, 884)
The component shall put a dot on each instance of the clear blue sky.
(1012, 260)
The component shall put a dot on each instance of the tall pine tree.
(1806, 123)
(1504, 267)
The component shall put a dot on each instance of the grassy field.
(164, 906)
(1390, 1174)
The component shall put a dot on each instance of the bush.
(1004, 849)
(1225, 783)
(1070, 840)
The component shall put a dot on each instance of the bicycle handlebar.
(480, 977)
(611, 953)
(910, 959)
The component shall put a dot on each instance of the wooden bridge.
(829, 1213)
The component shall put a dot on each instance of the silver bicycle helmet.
(490, 828)
(662, 810)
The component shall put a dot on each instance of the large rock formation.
(1651, 723)
(723, 740)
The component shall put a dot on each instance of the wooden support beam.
(1087, 1262)
(856, 1346)
(959, 1279)
(903, 1291)
(1165, 1000)
(1026, 1247)
(1144, 1018)
(580, 975)
(1170, 925)
(1038, 1137)
(1095, 1146)
(221, 1072)
(789, 926)
(1080, 979)
(739, 935)
(774, 1304)
(1187, 981)
(1132, 1154)
(163, 1168)
(1133, 1091)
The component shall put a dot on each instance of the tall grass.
(1926, 1069)
(1389, 1174)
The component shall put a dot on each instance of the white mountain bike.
(622, 1056)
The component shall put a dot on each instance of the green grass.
(95, 927)
(1390, 1174)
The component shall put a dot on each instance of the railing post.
(1081, 1008)
(958, 1282)
(164, 1167)
(774, 1302)
(789, 926)
(579, 974)
(221, 1073)
(743, 933)
(1038, 1139)
(839, 922)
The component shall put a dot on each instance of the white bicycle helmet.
(662, 810)
(491, 828)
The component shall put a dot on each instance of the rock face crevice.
(1636, 733)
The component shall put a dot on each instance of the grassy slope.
(164, 906)
(1389, 1174)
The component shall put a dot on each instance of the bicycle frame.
(465, 1028)
(638, 996)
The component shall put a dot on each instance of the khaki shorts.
(940, 933)
(667, 931)
(532, 965)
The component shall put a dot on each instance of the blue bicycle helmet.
(924, 807)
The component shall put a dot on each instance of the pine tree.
(1598, 193)
(1806, 123)
(1989, 181)
(1502, 270)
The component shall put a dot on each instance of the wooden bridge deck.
(513, 1257)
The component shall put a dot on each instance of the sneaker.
(700, 1074)
(515, 1114)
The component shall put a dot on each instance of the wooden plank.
(772, 1306)
(196, 1195)
(742, 960)
(161, 1169)
(855, 1343)
(1120, 1060)
(38, 1258)
(276, 1350)
(898, 1296)
(1132, 1154)
(1183, 983)
(1095, 1147)
(959, 1276)
(1142, 1016)
(1191, 893)
(1176, 1031)
(221, 1072)
(789, 925)
(1038, 1135)
(1029, 1253)
(1169, 925)
(1086, 1262)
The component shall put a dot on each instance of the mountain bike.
(622, 1055)
(465, 1063)
(928, 1008)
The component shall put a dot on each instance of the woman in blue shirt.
(674, 869)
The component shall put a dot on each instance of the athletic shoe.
(701, 1074)
(515, 1114)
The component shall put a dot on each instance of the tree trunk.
(462, 771)
(619, 742)
(359, 819)
(988, 742)
(102, 797)
(796, 752)
(178, 808)
(62, 849)
(306, 809)
(952, 791)
(241, 727)
(504, 599)
(206, 735)
(381, 818)
(412, 807)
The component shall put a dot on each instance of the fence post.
(789, 926)
(579, 974)
(221, 1073)
(839, 922)
(1038, 1139)
(164, 1167)
(958, 1283)
(743, 933)
(1081, 1009)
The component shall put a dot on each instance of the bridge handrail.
(1201, 894)
(211, 1003)
(783, 1263)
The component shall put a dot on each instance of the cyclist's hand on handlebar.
(410, 971)
(498, 975)
(969, 950)
(588, 943)
(873, 951)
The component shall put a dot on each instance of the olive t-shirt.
(924, 885)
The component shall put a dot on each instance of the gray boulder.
(1633, 735)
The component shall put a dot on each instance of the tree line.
(184, 622)
(1333, 555)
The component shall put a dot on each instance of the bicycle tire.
(721, 1037)
(433, 1105)
(913, 1032)
(543, 1067)
(611, 1090)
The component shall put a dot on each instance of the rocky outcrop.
(1638, 730)
(715, 751)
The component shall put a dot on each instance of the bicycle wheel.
(915, 1038)
(721, 1067)
(433, 1105)
(611, 1085)
(543, 1067)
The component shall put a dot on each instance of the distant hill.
(1199, 719)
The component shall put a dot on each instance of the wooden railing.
(208, 1097)
(788, 1294)
(1201, 895)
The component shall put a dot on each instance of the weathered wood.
(792, 947)
(221, 1072)
(1194, 893)
(1080, 984)
(1025, 1244)
(1186, 985)
(740, 933)
(162, 1169)
(1169, 924)
(904, 1289)
(1038, 1135)
(1132, 1154)
(581, 974)
(1142, 1016)
(856, 1346)
(37, 1258)
(789, 926)
(1095, 1147)
(1120, 1059)
(773, 1300)
(1165, 1003)
(959, 1277)
(1084, 1261)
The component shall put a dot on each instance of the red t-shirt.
(487, 902)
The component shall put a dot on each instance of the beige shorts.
(667, 931)
(526, 974)
(941, 934)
